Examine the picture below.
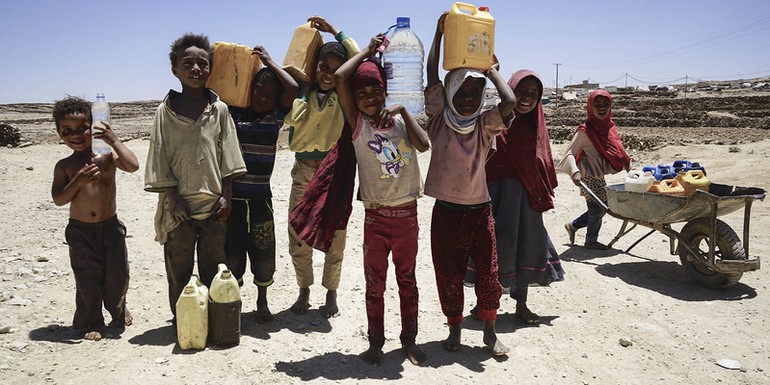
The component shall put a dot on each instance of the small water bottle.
(403, 63)
(100, 111)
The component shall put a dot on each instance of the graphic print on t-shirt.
(391, 156)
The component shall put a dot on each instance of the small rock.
(5, 330)
(18, 301)
(729, 364)
(42, 259)
(53, 327)
(24, 272)
(18, 346)
(161, 360)
(30, 168)
(625, 342)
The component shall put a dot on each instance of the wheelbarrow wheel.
(728, 247)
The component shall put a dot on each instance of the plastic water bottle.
(100, 111)
(403, 62)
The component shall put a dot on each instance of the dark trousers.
(251, 232)
(99, 261)
(458, 234)
(386, 231)
(592, 219)
(204, 236)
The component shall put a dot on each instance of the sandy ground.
(678, 330)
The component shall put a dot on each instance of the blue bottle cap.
(402, 22)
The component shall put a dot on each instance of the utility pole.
(626, 83)
(557, 83)
(685, 86)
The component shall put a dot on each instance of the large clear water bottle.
(100, 112)
(403, 62)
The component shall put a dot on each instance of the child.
(384, 139)
(462, 226)
(96, 238)
(316, 121)
(193, 156)
(595, 150)
(250, 228)
(521, 179)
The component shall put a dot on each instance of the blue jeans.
(592, 219)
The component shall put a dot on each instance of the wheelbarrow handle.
(593, 196)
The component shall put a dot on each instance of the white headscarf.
(452, 82)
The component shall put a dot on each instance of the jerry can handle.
(457, 6)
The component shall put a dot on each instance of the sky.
(57, 48)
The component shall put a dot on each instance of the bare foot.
(491, 340)
(525, 315)
(330, 309)
(93, 336)
(263, 314)
(452, 343)
(415, 355)
(302, 304)
(129, 319)
(372, 356)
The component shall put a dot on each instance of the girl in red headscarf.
(386, 140)
(595, 151)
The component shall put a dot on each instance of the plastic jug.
(232, 69)
(469, 37)
(661, 171)
(192, 308)
(302, 56)
(667, 186)
(224, 308)
(693, 180)
(639, 181)
(402, 60)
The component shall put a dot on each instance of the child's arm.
(63, 189)
(323, 25)
(343, 75)
(433, 54)
(123, 157)
(507, 98)
(223, 206)
(290, 85)
(417, 136)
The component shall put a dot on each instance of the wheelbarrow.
(710, 250)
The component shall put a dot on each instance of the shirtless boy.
(96, 238)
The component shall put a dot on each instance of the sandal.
(571, 232)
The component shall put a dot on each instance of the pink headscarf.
(603, 133)
(367, 74)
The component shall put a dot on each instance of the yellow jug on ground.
(224, 308)
(232, 69)
(192, 325)
(469, 38)
(302, 56)
(667, 186)
(692, 180)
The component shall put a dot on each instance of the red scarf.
(524, 151)
(604, 135)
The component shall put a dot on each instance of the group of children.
(491, 174)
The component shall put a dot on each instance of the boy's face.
(324, 72)
(601, 107)
(468, 98)
(370, 99)
(75, 131)
(192, 67)
(527, 93)
(264, 95)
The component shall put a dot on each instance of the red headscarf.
(368, 73)
(524, 151)
(603, 133)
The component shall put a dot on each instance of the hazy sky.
(81, 47)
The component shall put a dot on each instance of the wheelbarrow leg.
(621, 233)
(640, 239)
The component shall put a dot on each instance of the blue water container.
(661, 171)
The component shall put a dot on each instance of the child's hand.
(179, 209)
(262, 53)
(495, 65)
(86, 174)
(375, 43)
(106, 134)
(321, 24)
(221, 210)
(576, 178)
(385, 117)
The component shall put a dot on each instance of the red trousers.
(459, 233)
(386, 231)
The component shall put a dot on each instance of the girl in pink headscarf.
(386, 140)
(595, 151)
